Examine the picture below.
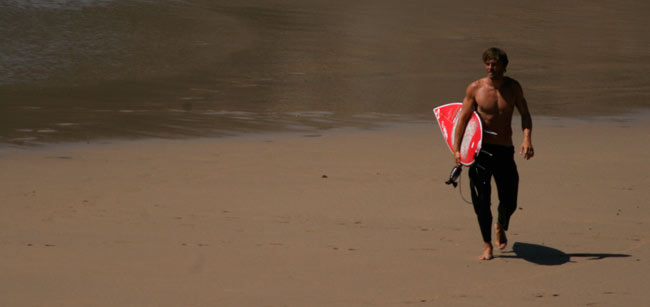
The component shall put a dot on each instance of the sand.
(345, 218)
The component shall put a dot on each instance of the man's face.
(494, 68)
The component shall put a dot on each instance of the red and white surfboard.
(447, 116)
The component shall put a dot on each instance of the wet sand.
(97, 69)
(343, 218)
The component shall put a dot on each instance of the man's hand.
(527, 149)
(457, 157)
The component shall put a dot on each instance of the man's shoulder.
(510, 82)
(474, 85)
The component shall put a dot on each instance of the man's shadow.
(544, 255)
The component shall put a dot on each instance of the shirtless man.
(494, 98)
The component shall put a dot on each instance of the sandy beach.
(342, 218)
(283, 153)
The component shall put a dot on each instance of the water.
(95, 69)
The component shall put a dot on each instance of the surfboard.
(447, 116)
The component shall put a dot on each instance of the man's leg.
(481, 189)
(507, 180)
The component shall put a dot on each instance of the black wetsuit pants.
(494, 161)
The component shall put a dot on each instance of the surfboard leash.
(455, 178)
(460, 191)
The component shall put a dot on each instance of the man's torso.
(496, 107)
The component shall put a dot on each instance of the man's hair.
(495, 54)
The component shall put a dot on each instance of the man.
(494, 98)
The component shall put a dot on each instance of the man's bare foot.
(501, 239)
(487, 252)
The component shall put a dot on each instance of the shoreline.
(368, 122)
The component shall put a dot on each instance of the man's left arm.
(526, 123)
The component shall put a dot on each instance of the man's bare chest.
(493, 101)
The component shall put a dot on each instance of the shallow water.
(90, 69)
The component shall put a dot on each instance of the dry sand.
(349, 218)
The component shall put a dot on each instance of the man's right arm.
(469, 102)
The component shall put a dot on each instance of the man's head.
(496, 61)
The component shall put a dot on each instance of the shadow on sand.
(544, 255)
